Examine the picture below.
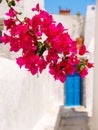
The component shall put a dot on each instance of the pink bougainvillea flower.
(17, 0)
(37, 8)
(5, 39)
(89, 64)
(61, 76)
(15, 45)
(42, 64)
(72, 47)
(74, 59)
(52, 56)
(35, 59)
(34, 69)
(61, 28)
(20, 61)
(83, 72)
(35, 22)
(82, 50)
(58, 72)
(12, 12)
(70, 69)
(39, 34)
(9, 23)
(44, 43)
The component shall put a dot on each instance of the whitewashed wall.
(90, 43)
(25, 99)
(30, 4)
(94, 120)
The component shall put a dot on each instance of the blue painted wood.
(73, 91)
(77, 90)
(69, 91)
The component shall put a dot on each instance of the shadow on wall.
(71, 119)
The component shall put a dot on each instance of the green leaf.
(12, 3)
(40, 48)
(0, 1)
(82, 67)
(20, 13)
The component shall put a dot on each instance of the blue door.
(73, 90)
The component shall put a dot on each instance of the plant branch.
(10, 6)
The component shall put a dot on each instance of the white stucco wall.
(90, 27)
(94, 119)
(18, 107)
(90, 43)
(25, 99)
(30, 4)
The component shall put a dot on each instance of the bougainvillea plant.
(44, 43)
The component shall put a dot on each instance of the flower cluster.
(44, 43)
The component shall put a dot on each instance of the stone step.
(72, 120)
(73, 128)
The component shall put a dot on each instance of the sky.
(52, 6)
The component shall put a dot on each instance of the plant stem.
(9, 5)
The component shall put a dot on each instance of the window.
(73, 90)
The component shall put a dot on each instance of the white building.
(28, 103)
